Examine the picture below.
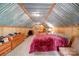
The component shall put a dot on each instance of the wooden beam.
(50, 10)
(25, 9)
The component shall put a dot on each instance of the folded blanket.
(41, 45)
(44, 43)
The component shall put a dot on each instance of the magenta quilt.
(47, 42)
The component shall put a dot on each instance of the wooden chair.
(16, 40)
(72, 49)
(5, 48)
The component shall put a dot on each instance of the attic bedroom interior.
(39, 29)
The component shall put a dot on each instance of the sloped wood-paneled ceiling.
(63, 14)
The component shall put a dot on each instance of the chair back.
(75, 44)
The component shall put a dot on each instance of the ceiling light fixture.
(36, 15)
(36, 12)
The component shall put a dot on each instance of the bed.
(47, 43)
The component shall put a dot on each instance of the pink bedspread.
(47, 42)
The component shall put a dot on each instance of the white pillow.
(0, 43)
(5, 39)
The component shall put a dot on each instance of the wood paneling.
(73, 31)
(4, 30)
(50, 10)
